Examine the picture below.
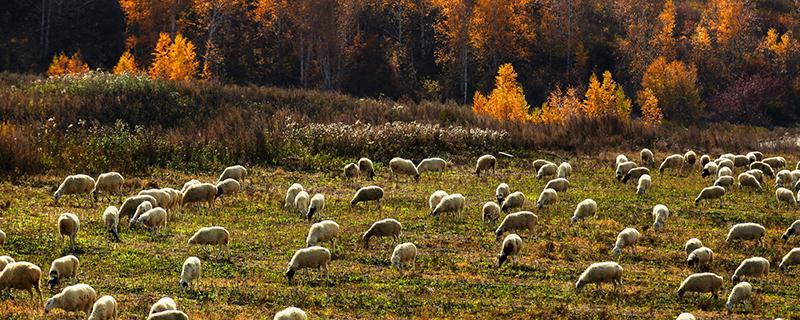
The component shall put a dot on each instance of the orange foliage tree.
(174, 60)
(675, 86)
(606, 98)
(559, 106)
(126, 64)
(62, 65)
(507, 101)
(651, 113)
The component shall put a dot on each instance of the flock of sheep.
(151, 209)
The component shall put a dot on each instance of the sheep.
(599, 273)
(646, 156)
(502, 191)
(364, 194)
(111, 220)
(351, 171)
(130, 205)
(724, 172)
(200, 192)
(212, 236)
(751, 267)
(431, 165)
(109, 183)
(547, 171)
(621, 158)
(291, 193)
(451, 203)
(237, 172)
(191, 271)
(76, 185)
(512, 245)
(558, 184)
(163, 304)
(685, 316)
(312, 257)
(635, 173)
(301, 201)
(585, 208)
(105, 308)
(740, 161)
(623, 168)
(176, 196)
(548, 196)
(746, 231)
(491, 212)
(485, 162)
(644, 184)
(79, 297)
(692, 244)
(163, 198)
(705, 159)
(626, 238)
(675, 161)
(700, 258)
(710, 169)
(784, 195)
(748, 180)
(142, 208)
(564, 170)
(741, 293)
(435, 198)
(516, 221)
(365, 166)
(689, 158)
(728, 156)
(724, 181)
(21, 276)
(538, 163)
(791, 258)
(62, 268)
(725, 163)
(775, 162)
(323, 231)
(383, 228)
(227, 187)
(153, 219)
(758, 174)
(5, 260)
(783, 179)
(404, 254)
(660, 215)
(189, 184)
(709, 193)
(793, 228)
(400, 166)
(765, 168)
(68, 226)
(168, 315)
(315, 206)
(701, 282)
(513, 201)
(757, 155)
(291, 313)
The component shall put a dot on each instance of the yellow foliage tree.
(675, 86)
(651, 113)
(559, 107)
(664, 38)
(62, 65)
(606, 98)
(174, 60)
(160, 66)
(126, 64)
(507, 100)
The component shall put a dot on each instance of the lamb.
(644, 184)
(491, 212)
(163, 198)
(538, 163)
(237, 172)
(709, 193)
(431, 165)
(705, 159)
(623, 168)
(547, 171)
(301, 201)
(365, 166)
(635, 173)
(68, 226)
(435, 198)
(724, 172)
(685, 316)
(512, 245)
(646, 156)
(748, 180)
(741, 293)
(451, 203)
(791, 258)
(725, 163)
(291, 193)
(191, 271)
(564, 170)
(111, 220)
(21, 276)
(163, 304)
(775, 162)
(765, 168)
(104, 308)
(313, 257)
(200, 192)
(692, 244)
(189, 184)
(724, 181)
(710, 169)
(227, 187)
(585, 208)
(351, 171)
(485, 162)
(746, 231)
(751, 267)
(626, 238)
(660, 215)
(403, 255)
(599, 273)
(62, 268)
(154, 219)
(130, 205)
(168, 315)
(755, 156)
(513, 201)
(548, 196)
(5, 260)
(558, 184)
(75, 184)
(783, 179)
(291, 313)
(674, 161)
(784, 195)
(315, 206)
(383, 228)
(108, 183)
(212, 236)
(689, 158)
(141, 209)
(502, 191)
(701, 282)
(517, 221)
(794, 228)
(740, 161)
(758, 174)
(400, 166)
(323, 231)
(79, 297)
(700, 258)
(621, 158)
(365, 194)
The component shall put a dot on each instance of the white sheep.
(68, 226)
(564, 170)
(692, 244)
(585, 208)
(742, 292)
(105, 308)
(675, 161)
(547, 171)
(365, 194)
(700, 258)
(515, 222)
(502, 191)
(701, 282)
(218, 236)
(791, 258)
(435, 198)
(490, 212)
(538, 163)
(746, 231)
(176, 196)
(740, 161)
(74, 185)
(62, 268)
(5, 260)
(403, 167)
(366, 167)
(191, 271)
(404, 254)
(756, 155)
(514, 200)
(383, 228)
(547, 197)
(558, 184)
(775, 162)
(237, 172)
(153, 219)
(635, 173)
(623, 168)
(79, 297)
(315, 206)
(291, 313)
(512, 245)
(660, 215)
(163, 304)
(644, 184)
(748, 180)
(111, 221)
(784, 195)
(783, 179)
(189, 184)
(291, 193)
(725, 163)
(130, 205)
(765, 168)
(431, 165)
(710, 193)
(228, 187)
(301, 201)
(204, 192)
(599, 273)
(485, 162)
(168, 315)
(323, 231)
(751, 267)
(710, 169)
(689, 158)
(626, 238)
(21, 276)
(141, 209)
(724, 181)
(646, 156)
(351, 171)
(758, 174)
(313, 257)
(705, 159)
(451, 203)
(793, 228)
(108, 183)
(621, 158)
(685, 316)
(163, 198)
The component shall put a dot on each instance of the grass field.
(456, 274)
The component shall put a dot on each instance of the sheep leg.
(333, 246)
(720, 202)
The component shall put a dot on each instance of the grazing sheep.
(141, 209)
(237, 172)
(644, 184)
(701, 282)
(168, 315)
(704, 159)
(748, 180)
(758, 174)
(710, 169)
(757, 155)
(547, 171)
(746, 231)
(621, 158)
(189, 184)
(623, 168)
(403, 255)
(383, 228)
(692, 244)
(751, 267)
(228, 187)
(108, 183)
(435, 198)
(791, 258)
(558, 184)
(153, 219)
(212, 236)
(710, 193)
(548, 196)
(725, 163)
(686, 316)
(675, 161)
(599, 273)
(365, 166)
(163, 304)
(700, 258)
(626, 238)
(5, 260)
(68, 226)
(111, 221)
(728, 156)
(765, 168)
(724, 181)
(635, 173)
(163, 198)
(21, 276)
(783, 179)
(502, 191)
(491, 212)
(291, 313)
(660, 215)
(784, 195)
(512, 245)
(176, 197)
(291, 193)
(538, 163)
(585, 208)
(323, 231)
(515, 222)
(451, 203)
(775, 162)
(724, 172)
(431, 165)
(75, 184)
(130, 205)
(315, 206)
(400, 166)
(312, 257)
(62, 268)
(513, 201)
(351, 171)
(794, 228)
(485, 162)
(301, 201)
(105, 308)
(689, 158)
(646, 156)
(740, 161)
(564, 170)
(191, 271)
(79, 297)
(741, 293)
(365, 194)
(200, 192)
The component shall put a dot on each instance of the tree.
(664, 39)
(159, 68)
(674, 84)
(145, 20)
(62, 65)
(559, 107)
(174, 60)
(126, 64)
(452, 32)
(651, 113)
(606, 98)
(501, 30)
(507, 100)
(212, 17)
